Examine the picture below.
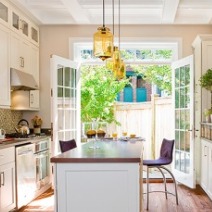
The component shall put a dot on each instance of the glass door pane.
(184, 121)
(65, 113)
(15, 21)
(3, 12)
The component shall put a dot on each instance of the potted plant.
(206, 81)
(37, 122)
(208, 115)
(99, 90)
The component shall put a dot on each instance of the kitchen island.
(103, 179)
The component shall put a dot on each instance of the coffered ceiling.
(132, 11)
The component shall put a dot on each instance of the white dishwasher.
(25, 174)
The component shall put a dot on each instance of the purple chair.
(165, 158)
(67, 145)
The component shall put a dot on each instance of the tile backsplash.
(9, 119)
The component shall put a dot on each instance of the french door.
(183, 98)
(65, 114)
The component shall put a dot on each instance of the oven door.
(42, 168)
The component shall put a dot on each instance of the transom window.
(154, 52)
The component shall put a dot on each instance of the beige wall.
(55, 40)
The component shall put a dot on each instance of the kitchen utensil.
(23, 127)
(2, 133)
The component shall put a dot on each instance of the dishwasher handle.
(1, 179)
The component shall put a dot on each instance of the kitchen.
(52, 41)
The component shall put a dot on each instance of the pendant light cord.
(119, 25)
(103, 13)
(113, 16)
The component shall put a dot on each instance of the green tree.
(99, 90)
(160, 75)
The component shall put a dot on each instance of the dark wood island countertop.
(108, 152)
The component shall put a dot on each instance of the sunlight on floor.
(45, 202)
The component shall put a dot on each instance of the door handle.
(192, 130)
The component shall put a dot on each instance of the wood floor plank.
(190, 200)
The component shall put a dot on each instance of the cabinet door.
(204, 164)
(34, 63)
(20, 53)
(20, 24)
(4, 67)
(7, 188)
(34, 34)
(34, 99)
(210, 171)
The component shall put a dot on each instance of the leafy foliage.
(99, 90)
(206, 80)
(159, 75)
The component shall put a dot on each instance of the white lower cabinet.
(7, 179)
(206, 164)
(102, 187)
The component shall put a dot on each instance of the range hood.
(20, 80)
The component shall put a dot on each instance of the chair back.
(67, 145)
(166, 151)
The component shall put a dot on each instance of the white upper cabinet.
(34, 62)
(19, 44)
(20, 53)
(34, 34)
(18, 22)
(4, 67)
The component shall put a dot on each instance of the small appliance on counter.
(2, 133)
(23, 127)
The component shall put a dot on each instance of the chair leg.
(147, 184)
(175, 185)
(164, 180)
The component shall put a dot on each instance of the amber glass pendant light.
(119, 67)
(121, 72)
(116, 64)
(103, 41)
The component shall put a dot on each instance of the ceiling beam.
(79, 14)
(169, 11)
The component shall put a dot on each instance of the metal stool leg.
(164, 181)
(147, 184)
(175, 185)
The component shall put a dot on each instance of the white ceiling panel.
(132, 11)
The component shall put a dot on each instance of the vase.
(37, 130)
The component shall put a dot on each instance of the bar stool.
(67, 145)
(166, 155)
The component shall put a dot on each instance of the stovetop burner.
(19, 135)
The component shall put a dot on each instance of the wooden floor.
(189, 201)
